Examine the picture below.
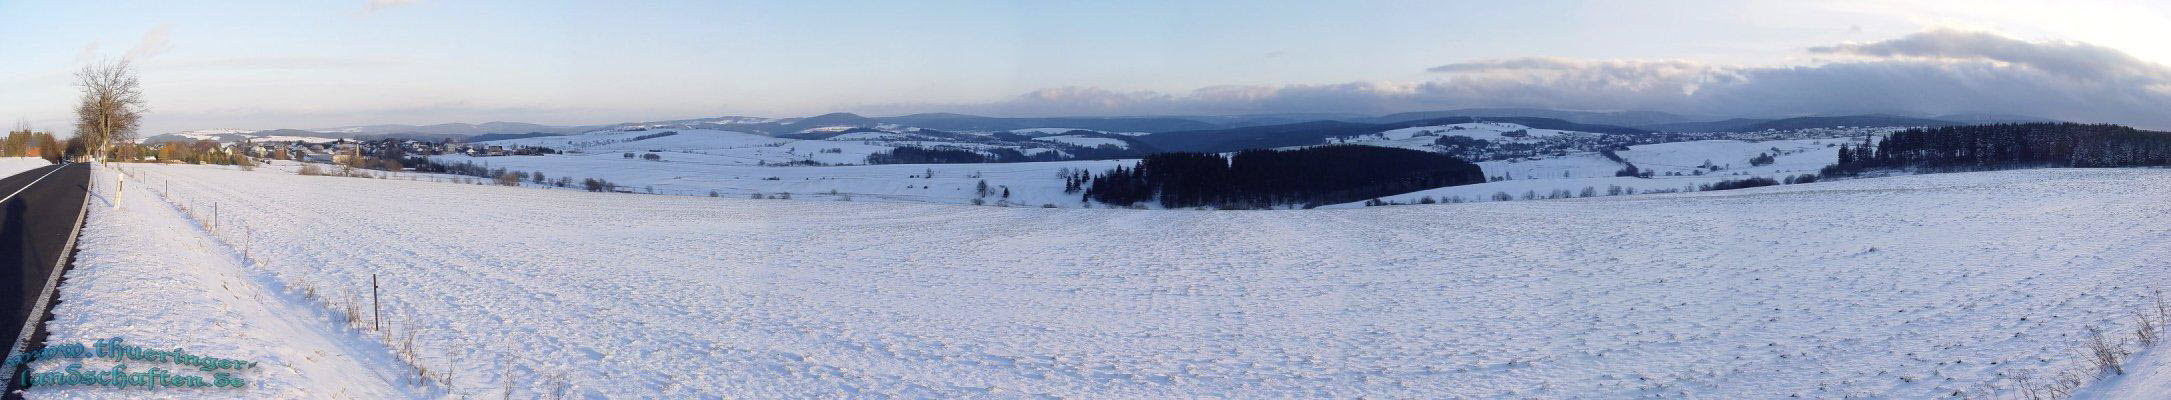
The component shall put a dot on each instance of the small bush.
(1739, 184)
(311, 169)
(596, 185)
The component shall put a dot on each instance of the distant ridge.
(1625, 122)
(1618, 118)
(1848, 121)
(1315, 132)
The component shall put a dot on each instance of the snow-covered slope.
(842, 145)
(2148, 376)
(1085, 141)
(1732, 156)
(239, 135)
(1905, 287)
(696, 162)
(14, 165)
(734, 174)
(1423, 137)
(1676, 165)
(148, 275)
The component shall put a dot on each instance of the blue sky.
(317, 64)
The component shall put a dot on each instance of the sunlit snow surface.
(15, 165)
(1904, 287)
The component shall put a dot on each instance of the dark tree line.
(652, 136)
(1745, 183)
(1273, 178)
(1074, 180)
(2006, 146)
(923, 155)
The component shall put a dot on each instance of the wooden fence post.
(376, 312)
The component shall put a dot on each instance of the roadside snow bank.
(148, 275)
(2148, 376)
(15, 165)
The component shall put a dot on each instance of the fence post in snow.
(376, 313)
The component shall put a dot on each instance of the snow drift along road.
(1904, 287)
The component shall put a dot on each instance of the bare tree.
(112, 106)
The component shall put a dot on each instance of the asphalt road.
(38, 216)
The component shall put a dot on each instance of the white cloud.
(153, 43)
(1932, 72)
(2073, 59)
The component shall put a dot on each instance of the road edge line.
(33, 182)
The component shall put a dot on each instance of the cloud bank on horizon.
(1937, 71)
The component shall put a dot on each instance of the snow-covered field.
(1903, 287)
(696, 163)
(1030, 184)
(1421, 137)
(1576, 172)
(14, 165)
(716, 147)
(149, 275)
(2148, 376)
(1793, 157)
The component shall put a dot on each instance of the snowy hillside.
(240, 135)
(13, 165)
(1086, 141)
(234, 311)
(1918, 287)
(825, 145)
(696, 162)
(1423, 137)
(734, 173)
(1675, 165)
(735, 164)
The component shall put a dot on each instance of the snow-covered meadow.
(1030, 184)
(728, 163)
(150, 275)
(1902, 287)
(1674, 166)
(14, 165)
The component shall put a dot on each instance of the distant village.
(339, 151)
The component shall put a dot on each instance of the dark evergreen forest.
(1275, 178)
(2008, 146)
